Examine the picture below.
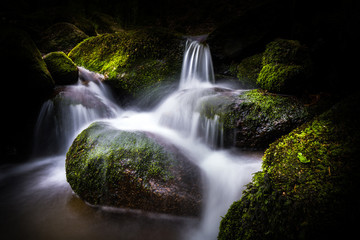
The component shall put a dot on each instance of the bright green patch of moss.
(62, 68)
(131, 60)
(308, 184)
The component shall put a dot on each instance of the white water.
(176, 118)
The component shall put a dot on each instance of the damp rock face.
(107, 166)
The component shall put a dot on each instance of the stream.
(36, 202)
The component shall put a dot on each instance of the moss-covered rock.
(106, 166)
(63, 70)
(61, 36)
(286, 67)
(308, 184)
(248, 70)
(131, 60)
(255, 118)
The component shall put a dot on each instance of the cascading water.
(72, 108)
(176, 118)
(197, 68)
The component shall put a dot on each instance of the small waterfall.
(176, 119)
(73, 107)
(197, 69)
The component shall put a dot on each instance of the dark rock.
(62, 68)
(255, 118)
(27, 83)
(61, 36)
(107, 166)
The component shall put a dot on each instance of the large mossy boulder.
(286, 67)
(62, 68)
(27, 83)
(308, 184)
(256, 118)
(107, 166)
(132, 61)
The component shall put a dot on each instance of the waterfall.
(176, 119)
(73, 108)
(197, 68)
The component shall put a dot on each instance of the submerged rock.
(62, 69)
(308, 184)
(107, 166)
(132, 61)
(254, 119)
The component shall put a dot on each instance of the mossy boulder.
(248, 70)
(63, 70)
(29, 83)
(256, 118)
(308, 184)
(107, 166)
(132, 61)
(61, 36)
(286, 67)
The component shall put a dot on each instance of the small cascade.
(197, 69)
(214, 132)
(73, 107)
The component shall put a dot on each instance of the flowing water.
(36, 202)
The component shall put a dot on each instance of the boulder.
(63, 70)
(253, 119)
(132, 61)
(107, 166)
(308, 183)
(61, 36)
(286, 67)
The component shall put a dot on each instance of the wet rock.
(107, 166)
(253, 119)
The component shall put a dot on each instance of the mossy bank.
(308, 184)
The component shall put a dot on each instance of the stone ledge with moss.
(254, 119)
(134, 60)
(62, 68)
(107, 166)
(308, 184)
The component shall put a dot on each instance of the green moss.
(283, 51)
(286, 67)
(131, 60)
(249, 68)
(307, 185)
(280, 78)
(62, 68)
